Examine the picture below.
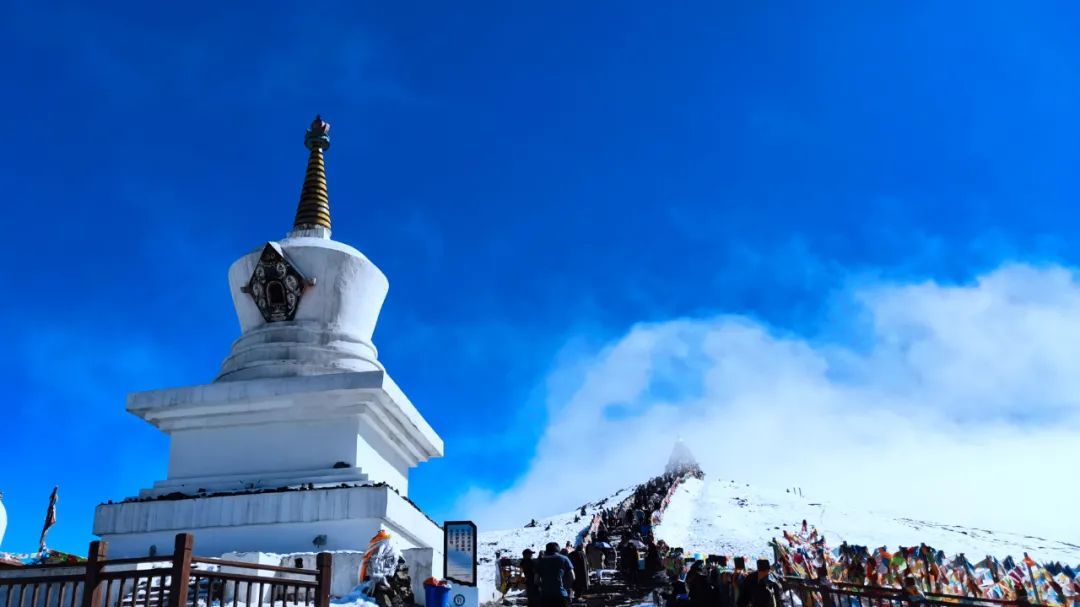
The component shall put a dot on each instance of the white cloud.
(952, 403)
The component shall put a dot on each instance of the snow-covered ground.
(723, 517)
(716, 516)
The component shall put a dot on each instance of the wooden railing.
(799, 592)
(178, 580)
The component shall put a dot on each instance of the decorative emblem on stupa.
(276, 285)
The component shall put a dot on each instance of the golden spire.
(314, 208)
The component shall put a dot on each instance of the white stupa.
(680, 459)
(3, 519)
(303, 434)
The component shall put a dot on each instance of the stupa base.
(286, 521)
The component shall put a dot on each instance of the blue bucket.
(437, 596)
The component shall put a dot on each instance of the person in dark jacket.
(724, 588)
(653, 562)
(628, 562)
(856, 571)
(581, 571)
(760, 589)
(697, 585)
(678, 596)
(1021, 595)
(594, 556)
(825, 585)
(555, 573)
(528, 571)
(912, 594)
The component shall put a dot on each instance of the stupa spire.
(313, 211)
(681, 459)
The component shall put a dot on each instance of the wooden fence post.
(95, 561)
(325, 563)
(181, 571)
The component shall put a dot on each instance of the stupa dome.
(307, 304)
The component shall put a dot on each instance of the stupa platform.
(269, 433)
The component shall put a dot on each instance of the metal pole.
(1034, 586)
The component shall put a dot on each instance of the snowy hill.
(723, 517)
(714, 516)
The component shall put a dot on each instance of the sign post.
(459, 562)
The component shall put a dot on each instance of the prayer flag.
(50, 518)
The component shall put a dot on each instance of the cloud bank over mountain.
(957, 403)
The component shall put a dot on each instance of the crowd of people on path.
(711, 583)
(684, 580)
(555, 577)
(619, 538)
(558, 575)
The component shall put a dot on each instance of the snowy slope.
(713, 516)
(723, 517)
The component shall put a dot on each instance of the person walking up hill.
(760, 589)
(528, 571)
(581, 571)
(628, 562)
(556, 575)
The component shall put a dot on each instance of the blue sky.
(534, 181)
